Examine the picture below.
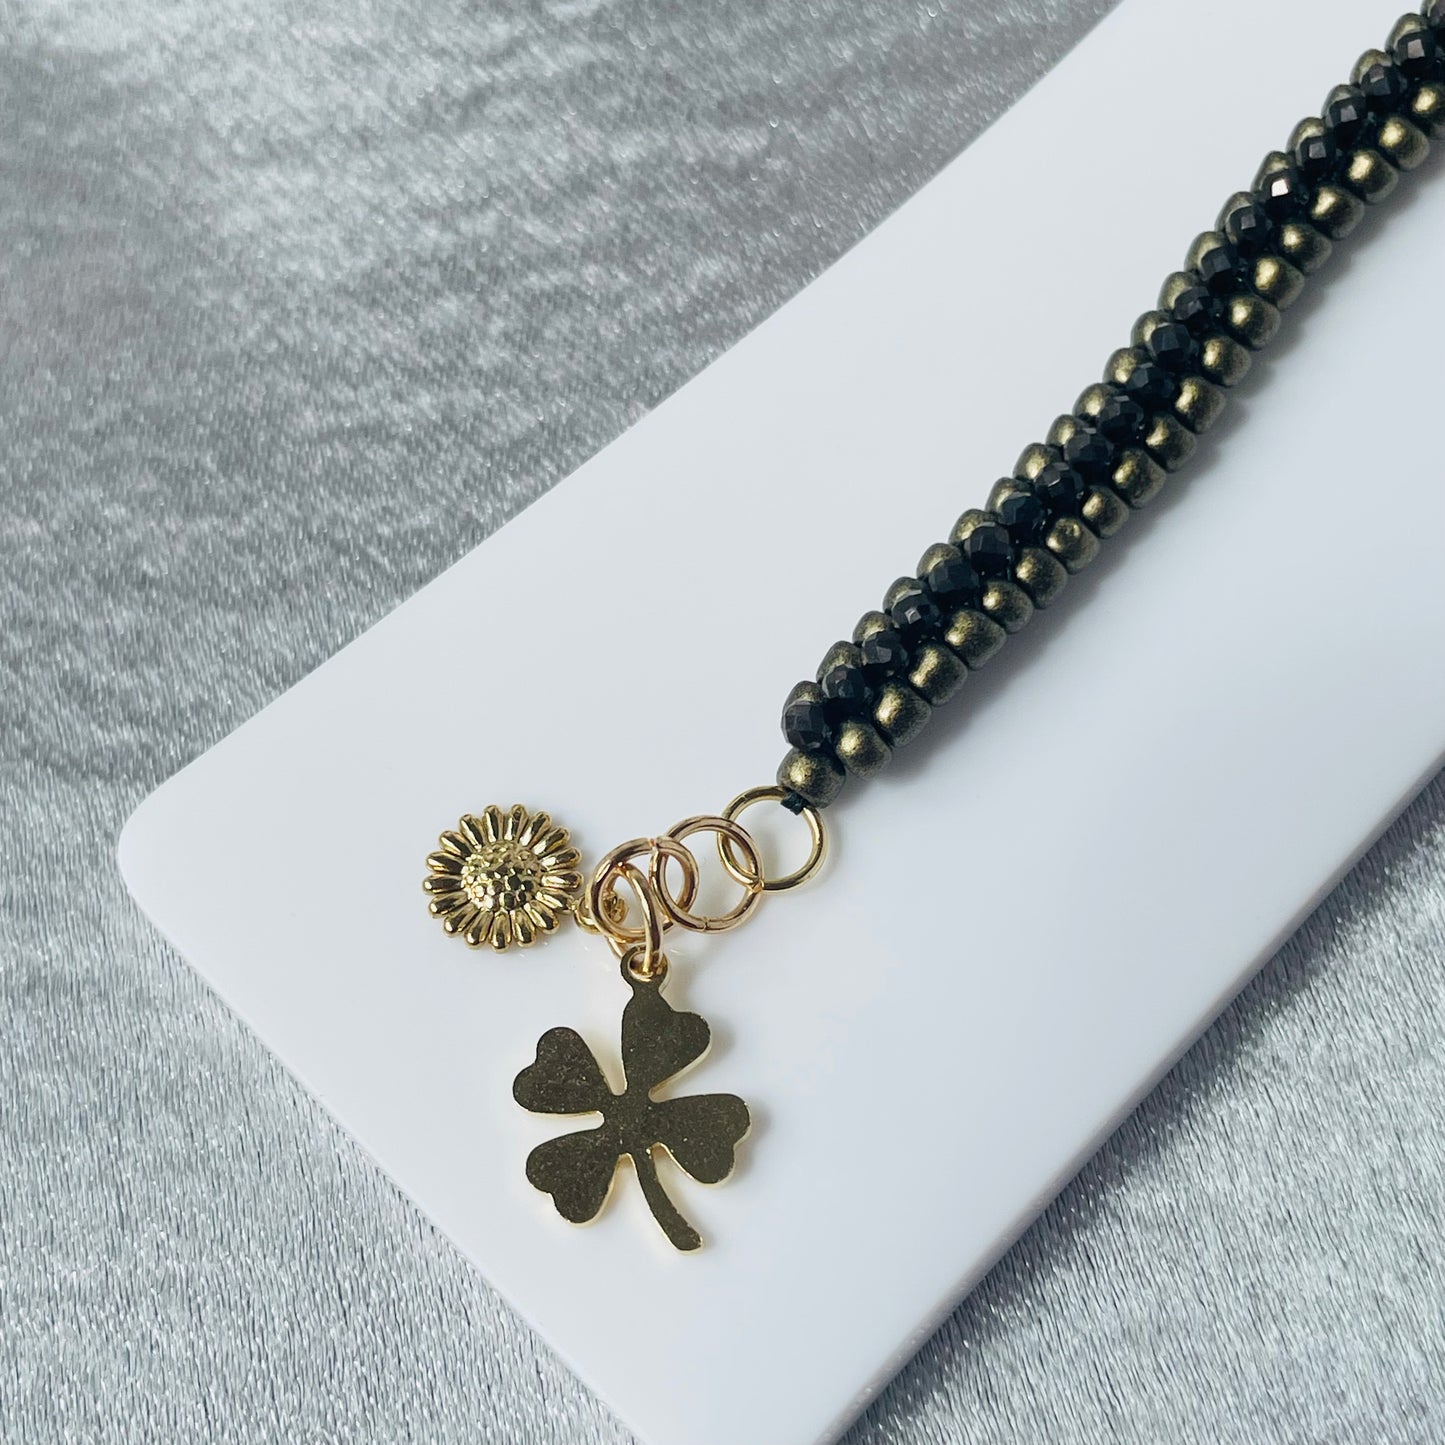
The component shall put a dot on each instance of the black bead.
(1384, 87)
(1434, 13)
(1222, 270)
(989, 549)
(1121, 419)
(1151, 385)
(1317, 156)
(952, 579)
(1249, 228)
(915, 614)
(1284, 195)
(885, 655)
(1173, 347)
(845, 690)
(1061, 489)
(805, 724)
(1025, 518)
(1089, 452)
(1418, 56)
(1198, 310)
(1347, 117)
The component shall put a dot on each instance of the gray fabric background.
(299, 301)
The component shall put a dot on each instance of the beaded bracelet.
(506, 878)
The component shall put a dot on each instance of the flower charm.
(503, 879)
(700, 1131)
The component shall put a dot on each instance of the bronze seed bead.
(1062, 429)
(1138, 478)
(861, 748)
(1370, 176)
(1303, 246)
(897, 590)
(1005, 488)
(1092, 400)
(1224, 362)
(841, 654)
(968, 523)
(1203, 244)
(1008, 604)
(815, 777)
(1040, 575)
(1252, 320)
(1336, 211)
(1103, 511)
(1120, 366)
(937, 674)
(1072, 543)
(1427, 108)
(1198, 405)
(1033, 459)
(1277, 281)
(1146, 326)
(899, 712)
(974, 637)
(1169, 443)
(1405, 146)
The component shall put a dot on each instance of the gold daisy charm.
(503, 878)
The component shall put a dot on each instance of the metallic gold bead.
(898, 589)
(1003, 489)
(1204, 243)
(937, 674)
(1427, 107)
(871, 623)
(1138, 477)
(1059, 433)
(1092, 398)
(1405, 146)
(1252, 319)
(1222, 361)
(1169, 443)
(841, 654)
(1033, 459)
(861, 748)
(1370, 176)
(1120, 366)
(1411, 23)
(1277, 281)
(900, 713)
(1072, 543)
(974, 637)
(938, 552)
(1272, 164)
(1008, 604)
(1040, 575)
(815, 777)
(1336, 211)
(1372, 56)
(1303, 246)
(1198, 404)
(968, 523)
(1103, 511)
(1239, 198)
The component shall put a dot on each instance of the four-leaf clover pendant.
(700, 1131)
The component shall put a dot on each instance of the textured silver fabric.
(299, 302)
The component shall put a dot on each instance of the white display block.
(1045, 899)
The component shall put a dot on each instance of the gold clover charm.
(700, 1131)
(503, 878)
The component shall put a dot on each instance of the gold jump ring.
(771, 793)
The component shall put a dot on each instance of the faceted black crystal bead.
(1317, 156)
(1384, 87)
(1198, 309)
(1284, 195)
(1419, 56)
(1061, 489)
(989, 549)
(952, 578)
(805, 722)
(1025, 518)
(915, 614)
(885, 655)
(1249, 228)
(1121, 419)
(845, 690)
(1151, 385)
(1222, 270)
(1434, 13)
(1174, 347)
(1089, 452)
(1347, 118)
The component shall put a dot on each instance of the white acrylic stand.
(1048, 897)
